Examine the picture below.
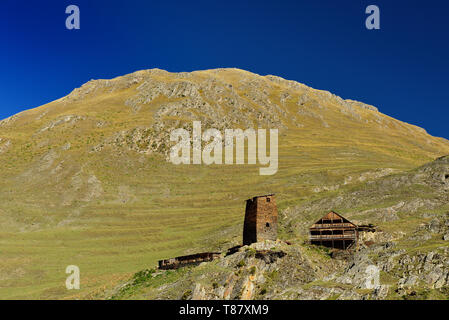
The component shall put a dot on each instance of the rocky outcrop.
(67, 119)
(4, 145)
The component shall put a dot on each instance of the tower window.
(268, 199)
(267, 225)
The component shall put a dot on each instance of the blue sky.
(402, 68)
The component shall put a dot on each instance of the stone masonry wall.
(261, 217)
(267, 218)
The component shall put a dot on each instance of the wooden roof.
(334, 216)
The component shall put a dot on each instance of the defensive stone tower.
(261, 219)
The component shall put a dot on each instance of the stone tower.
(261, 219)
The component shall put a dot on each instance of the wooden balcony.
(332, 236)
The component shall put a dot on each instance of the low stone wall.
(178, 262)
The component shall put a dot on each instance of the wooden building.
(261, 219)
(334, 231)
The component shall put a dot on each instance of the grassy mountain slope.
(410, 249)
(85, 179)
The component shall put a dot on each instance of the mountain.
(86, 180)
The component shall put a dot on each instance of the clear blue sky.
(402, 69)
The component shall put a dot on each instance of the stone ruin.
(193, 259)
(261, 218)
